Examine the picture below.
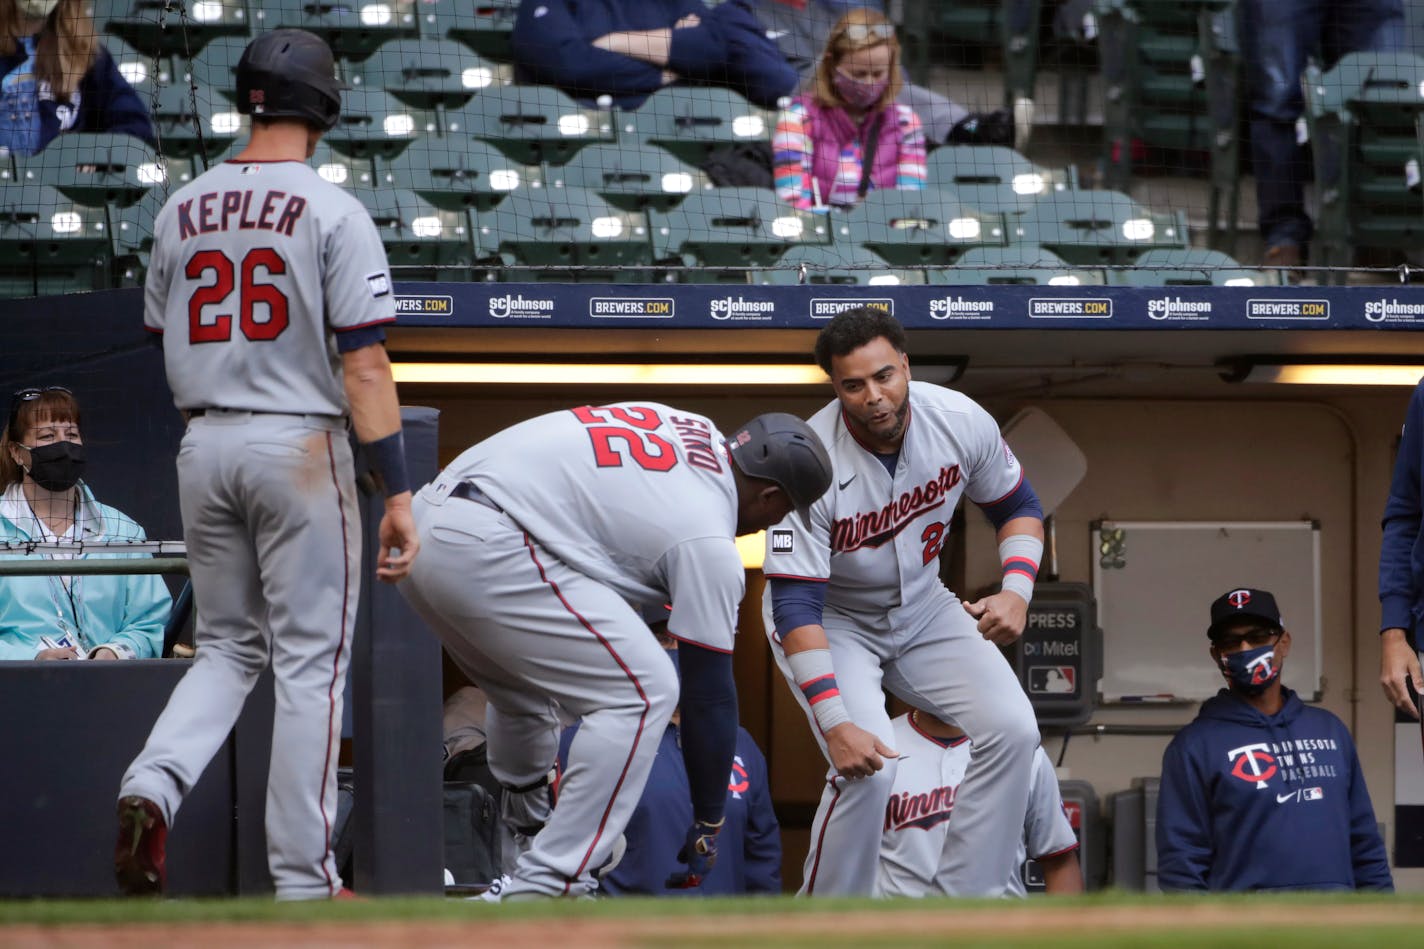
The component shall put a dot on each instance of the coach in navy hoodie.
(1262, 792)
(1401, 564)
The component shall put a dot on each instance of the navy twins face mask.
(1252, 670)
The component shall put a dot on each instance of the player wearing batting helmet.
(270, 289)
(541, 545)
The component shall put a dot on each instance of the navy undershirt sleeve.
(709, 726)
(1020, 502)
(796, 602)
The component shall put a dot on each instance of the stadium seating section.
(470, 176)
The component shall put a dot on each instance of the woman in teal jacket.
(42, 500)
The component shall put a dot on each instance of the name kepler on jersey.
(236, 210)
(874, 528)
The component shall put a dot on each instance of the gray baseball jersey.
(254, 266)
(875, 538)
(918, 816)
(878, 537)
(649, 508)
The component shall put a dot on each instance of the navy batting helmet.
(289, 74)
(780, 447)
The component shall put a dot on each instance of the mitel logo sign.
(1176, 308)
(1393, 311)
(1288, 309)
(516, 306)
(625, 308)
(959, 308)
(740, 308)
(1093, 308)
(827, 307)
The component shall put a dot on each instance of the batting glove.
(699, 852)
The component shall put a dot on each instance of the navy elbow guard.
(387, 457)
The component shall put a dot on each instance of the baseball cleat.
(140, 852)
(495, 891)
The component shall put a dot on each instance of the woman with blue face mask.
(1262, 791)
(55, 77)
(44, 501)
(848, 135)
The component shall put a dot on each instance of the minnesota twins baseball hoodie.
(1266, 802)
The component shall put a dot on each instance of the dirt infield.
(1165, 924)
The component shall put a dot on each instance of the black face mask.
(57, 466)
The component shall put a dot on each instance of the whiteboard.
(1154, 584)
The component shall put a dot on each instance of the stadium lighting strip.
(1335, 374)
(569, 373)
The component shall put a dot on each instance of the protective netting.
(1080, 142)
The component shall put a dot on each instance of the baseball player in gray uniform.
(270, 289)
(541, 546)
(857, 606)
(933, 758)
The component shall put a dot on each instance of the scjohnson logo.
(740, 308)
(1393, 311)
(1176, 308)
(516, 306)
(958, 308)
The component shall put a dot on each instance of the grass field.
(1296, 921)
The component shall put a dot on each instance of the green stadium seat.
(1015, 265)
(918, 228)
(50, 243)
(554, 228)
(531, 124)
(194, 120)
(353, 174)
(1010, 28)
(836, 266)
(482, 25)
(422, 242)
(1190, 267)
(144, 72)
(692, 122)
(131, 238)
(632, 176)
(353, 29)
(994, 179)
(731, 228)
(216, 65)
(428, 73)
(160, 28)
(1366, 123)
(1097, 228)
(457, 174)
(96, 169)
(376, 125)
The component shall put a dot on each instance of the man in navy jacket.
(1261, 791)
(1401, 565)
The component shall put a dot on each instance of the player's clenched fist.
(699, 852)
(855, 752)
(1001, 617)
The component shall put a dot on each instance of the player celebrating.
(542, 543)
(256, 266)
(857, 603)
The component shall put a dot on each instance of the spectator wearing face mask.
(55, 77)
(1261, 791)
(848, 135)
(43, 501)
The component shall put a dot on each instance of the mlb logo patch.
(781, 542)
(379, 283)
(1312, 794)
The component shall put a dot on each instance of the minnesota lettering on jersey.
(878, 527)
(919, 810)
(237, 210)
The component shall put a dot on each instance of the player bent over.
(270, 288)
(540, 547)
(857, 605)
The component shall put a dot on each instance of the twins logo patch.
(781, 542)
(379, 283)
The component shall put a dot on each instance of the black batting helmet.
(780, 447)
(289, 74)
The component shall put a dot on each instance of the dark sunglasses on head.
(29, 395)
(860, 32)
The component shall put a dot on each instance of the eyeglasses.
(860, 32)
(1254, 637)
(21, 396)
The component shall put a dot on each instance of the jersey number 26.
(218, 329)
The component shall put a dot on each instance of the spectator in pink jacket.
(849, 135)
